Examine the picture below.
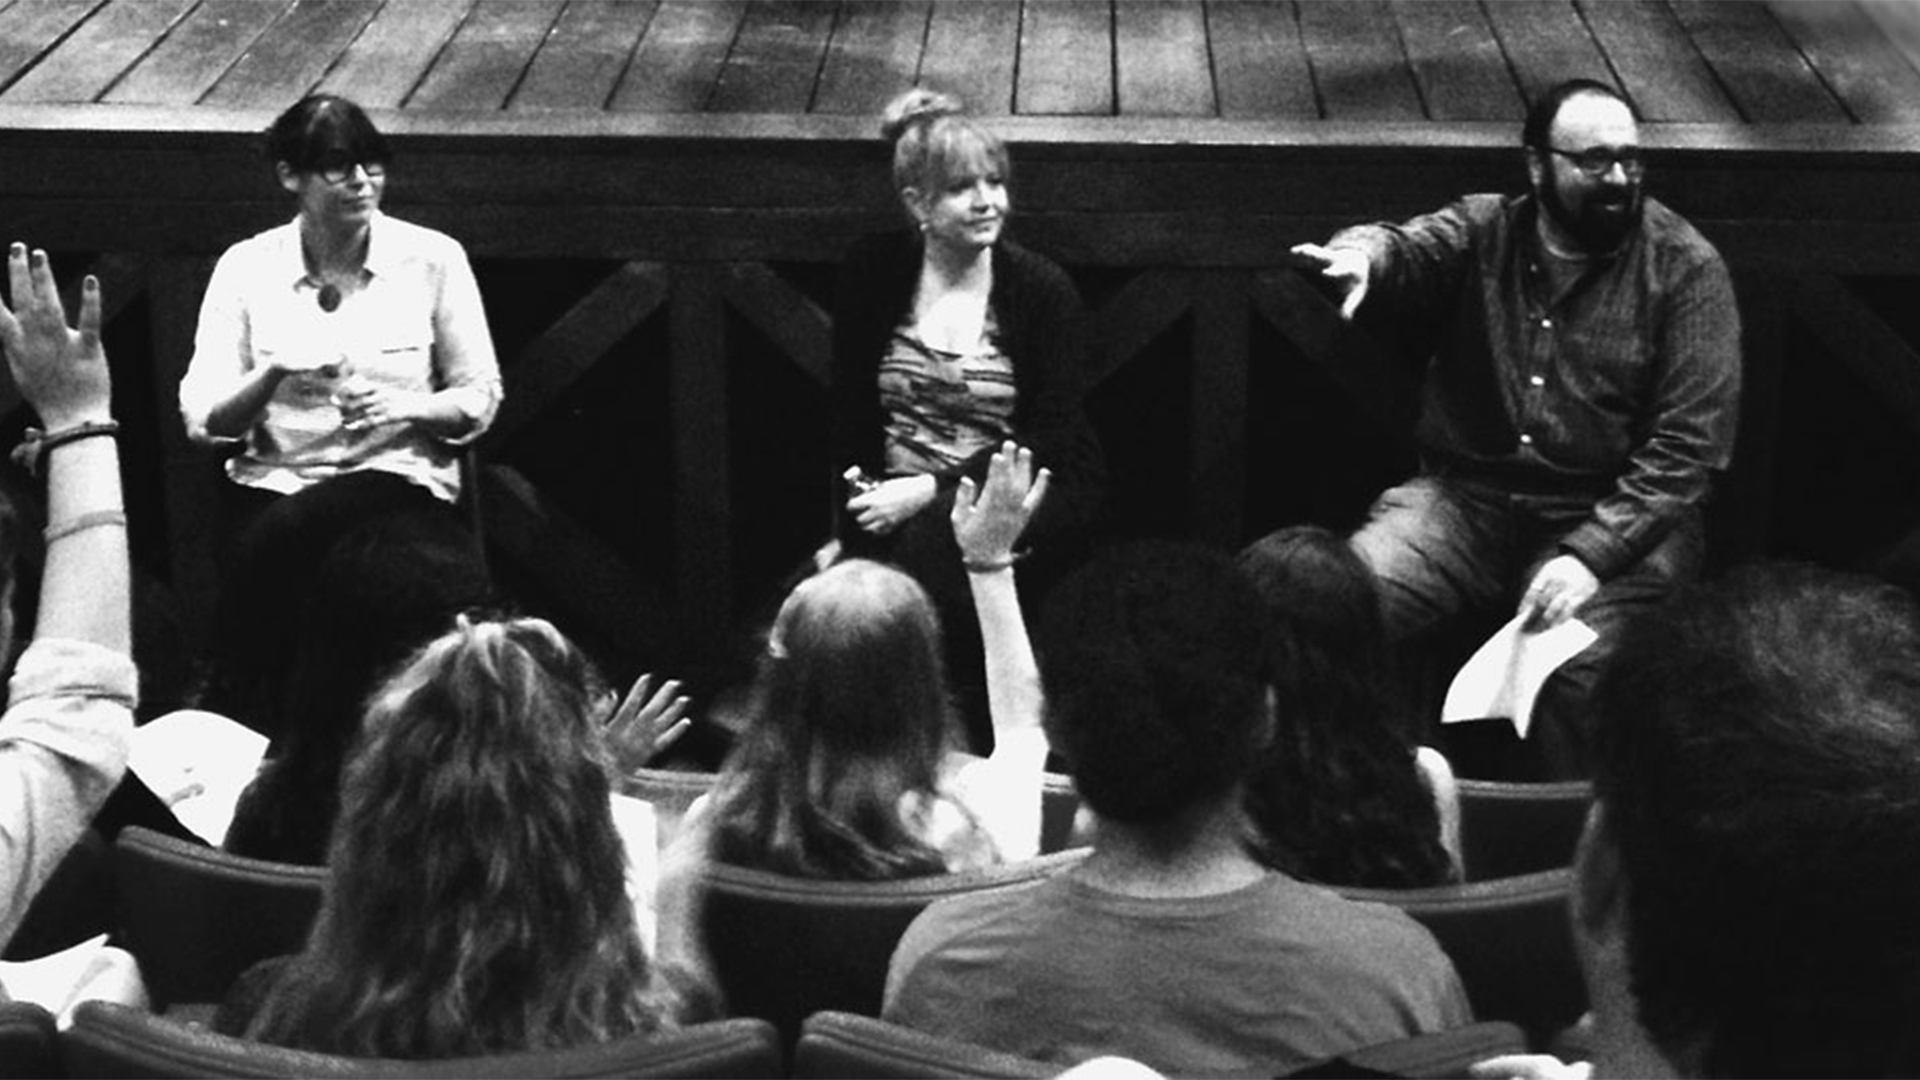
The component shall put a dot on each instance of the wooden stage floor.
(1736, 62)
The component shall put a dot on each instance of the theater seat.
(1059, 807)
(1440, 1055)
(109, 1040)
(27, 1042)
(1509, 828)
(195, 917)
(1511, 941)
(839, 1044)
(785, 948)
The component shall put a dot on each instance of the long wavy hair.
(478, 901)
(849, 718)
(1337, 797)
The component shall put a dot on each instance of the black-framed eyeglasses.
(1599, 161)
(338, 173)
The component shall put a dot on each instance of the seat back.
(1509, 828)
(670, 791)
(839, 1044)
(109, 1040)
(195, 917)
(1510, 939)
(1440, 1055)
(784, 948)
(27, 1041)
(1059, 806)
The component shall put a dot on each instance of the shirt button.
(1537, 380)
(1526, 440)
(1546, 323)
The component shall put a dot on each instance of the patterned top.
(941, 407)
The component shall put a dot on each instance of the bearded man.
(1581, 351)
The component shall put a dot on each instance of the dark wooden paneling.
(971, 49)
(577, 341)
(483, 63)
(584, 57)
(874, 55)
(679, 59)
(1658, 66)
(775, 60)
(1872, 79)
(786, 316)
(187, 62)
(95, 54)
(1358, 65)
(1160, 59)
(1219, 406)
(29, 28)
(1769, 80)
(1456, 60)
(1546, 41)
(288, 60)
(390, 57)
(1066, 59)
(1260, 64)
(703, 499)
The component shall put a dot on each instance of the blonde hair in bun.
(933, 139)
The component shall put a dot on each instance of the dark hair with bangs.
(478, 902)
(325, 130)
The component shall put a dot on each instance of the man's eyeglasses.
(336, 173)
(1600, 161)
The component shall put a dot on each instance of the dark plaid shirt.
(1623, 389)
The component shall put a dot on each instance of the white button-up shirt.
(416, 324)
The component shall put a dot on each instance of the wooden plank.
(1131, 318)
(1457, 61)
(776, 59)
(788, 317)
(1219, 407)
(1873, 80)
(192, 473)
(187, 62)
(1259, 62)
(1659, 68)
(289, 59)
(1354, 359)
(1066, 59)
(1855, 335)
(971, 50)
(874, 54)
(1766, 76)
(577, 341)
(585, 56)
(1899, 20)
(488, 55)
(1546, 42)
(702, 472)
(678, 61)
(29, 28)
(1358, 66)
(1160, 59)
(390, 56)
(95, 54)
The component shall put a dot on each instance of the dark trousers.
(1447, 553)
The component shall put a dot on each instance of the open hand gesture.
(647, 722)
(989, 518)
(61, 370)
(1346, 268)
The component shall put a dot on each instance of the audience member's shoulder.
(956, 917)
(1674, 238)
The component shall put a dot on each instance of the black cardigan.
(1042, 329)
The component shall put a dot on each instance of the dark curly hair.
(1336, 797)
(1156, 673)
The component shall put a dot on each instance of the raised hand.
(61, 370)
(647, 722)
(1346, 268)
(989, 518)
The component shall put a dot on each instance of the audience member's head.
(1158, 680)
(1336, 797)
(1749, 879)
(850, 713)
(478, 901)
(384, 589)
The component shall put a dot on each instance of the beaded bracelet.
(84, 522)
(35, 445)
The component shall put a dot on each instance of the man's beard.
(1603, 220)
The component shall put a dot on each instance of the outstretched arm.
(987, 520)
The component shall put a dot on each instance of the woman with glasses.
(345, 359)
